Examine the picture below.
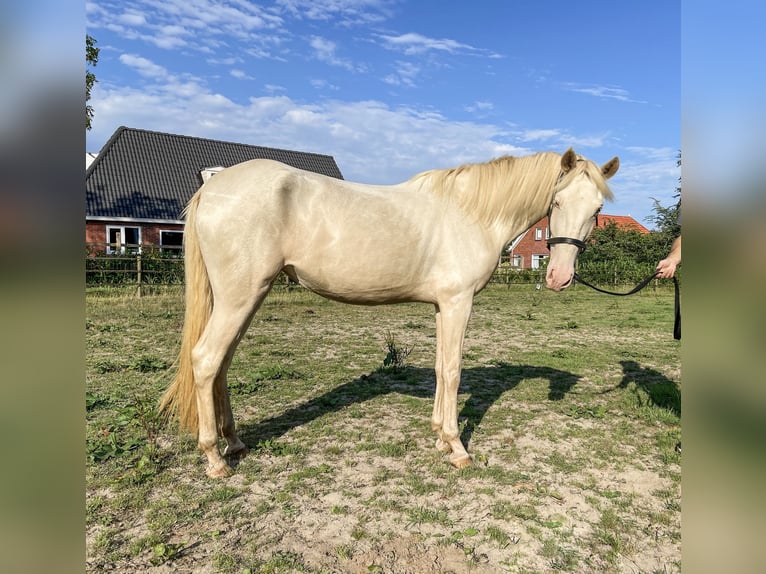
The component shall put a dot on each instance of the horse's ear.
(568, 160)
(610, 167)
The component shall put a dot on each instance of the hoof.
(442, 446)
(461, 461)
(220, 471)
(240, 452)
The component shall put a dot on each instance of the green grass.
(564, 399)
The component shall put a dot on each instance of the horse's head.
(577, 199)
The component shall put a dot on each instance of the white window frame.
(538, 233)
(207, 173)
(110, 249)
(175, 248)
(538, 260)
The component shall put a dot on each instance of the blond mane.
(504, 188)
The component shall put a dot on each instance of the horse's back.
(348, 241)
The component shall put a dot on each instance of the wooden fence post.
(138, 272)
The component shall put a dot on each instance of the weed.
(498, 536)
(424, 515)
(165, 552)
(397, 356)
(104, 366)
(147, 364)
(282, 561)
(344, 551)
(561, 557)
(273, 447)
(94, 400)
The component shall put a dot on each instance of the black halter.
(568, 240)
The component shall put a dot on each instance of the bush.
(157, 266)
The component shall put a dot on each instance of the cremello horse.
(435, 238)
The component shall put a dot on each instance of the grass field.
(570, 404)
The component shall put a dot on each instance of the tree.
(667, 220)
(620, 253)
(91, 59)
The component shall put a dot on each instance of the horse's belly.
(353, 285)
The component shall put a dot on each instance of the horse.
(435, 238)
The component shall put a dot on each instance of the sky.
(391, 88)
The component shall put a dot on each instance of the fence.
(141, 266)
(133, 265)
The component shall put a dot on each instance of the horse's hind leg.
(210, 360)
(225, 417)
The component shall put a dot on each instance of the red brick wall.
(95, 233)
(529, 246)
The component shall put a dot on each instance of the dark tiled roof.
(141, 174)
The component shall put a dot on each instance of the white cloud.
(343, 12)
(405, 74)
(480, 107)
(204, 25)
(584, 140)
(538, 135)
(132, 18)
(326, 51)
(608, 92)
(414, 44)
(144, 67)
(240, 75)
(322, 84)
(273, 88)
(654, 153)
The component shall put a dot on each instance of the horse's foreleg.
(437, 419)
(454, 319)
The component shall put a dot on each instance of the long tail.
(180, 399)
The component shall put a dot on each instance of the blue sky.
(394, 87)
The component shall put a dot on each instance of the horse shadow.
(661, 391)
(485, 386)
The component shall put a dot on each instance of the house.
(138, 184)
(530, 248)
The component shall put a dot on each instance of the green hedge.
(163, 268)
(157, 267)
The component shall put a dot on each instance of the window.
(123, 239)
(538, 233)
(206, 173)
(171, 241)
(517, 261)
(538, 261)
(547, 233)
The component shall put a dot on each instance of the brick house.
(530, 248)
(139, 183)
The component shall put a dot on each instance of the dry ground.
(569, 403)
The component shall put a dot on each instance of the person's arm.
(667, 267)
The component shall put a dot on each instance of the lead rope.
(636, 289)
